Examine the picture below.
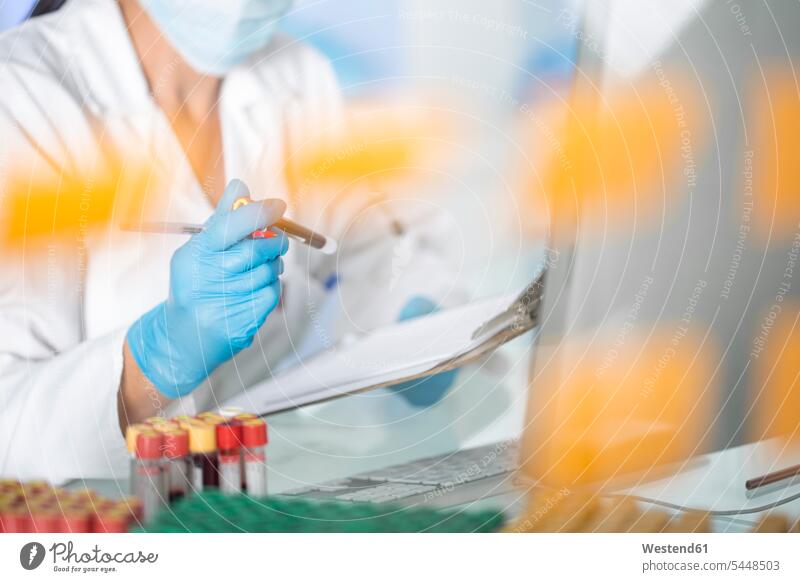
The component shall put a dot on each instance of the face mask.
(214, 36)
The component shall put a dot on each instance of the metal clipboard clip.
(521, 315)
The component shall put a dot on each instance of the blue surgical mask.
(214, 36)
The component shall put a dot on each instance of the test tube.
(131, 433)
(212, 418)
(131, 505)
(245, 416)
(39, 507)
(254, 439)
(230, 411)
(45, 517)
(296, 231)
(16, 519)
(239, 417)
(111, 520)
(150, 475)
(178, 463)
(229, 443)
(203, 449)
(76, 519)
(166, 426)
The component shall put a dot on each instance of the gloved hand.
(427, 390)
(223, 285)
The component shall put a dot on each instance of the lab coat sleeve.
(58, 393)
(378, 270)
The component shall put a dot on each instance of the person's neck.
(175, 86)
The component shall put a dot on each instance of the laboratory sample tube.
(211, 417)
(166, 426)
(230, 411)
(245, 416)
(229, 444)
(90, 495)
(150, 474)
(254, 439)
(76, 520)
(215, 420)
(111, 520)
(187, 422)
(203, 450)
(17, 519)
(131, 433)
(37, 488)
(5, 503)
(178, 463)
(45, 518)
(131, 505)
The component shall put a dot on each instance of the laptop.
(487, 472)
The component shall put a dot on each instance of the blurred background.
(720, 70)
(477, 63)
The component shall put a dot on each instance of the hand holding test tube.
(223, 285)
(315, 240)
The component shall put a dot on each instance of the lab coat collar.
(113, 83)
(111, 80)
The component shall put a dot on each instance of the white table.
(326, 442)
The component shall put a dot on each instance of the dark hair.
(46, 6)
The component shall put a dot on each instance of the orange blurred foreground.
(624, 413)
(41, 207)
(378, 141)
(776, 355)
(771, 172)
(617, 154)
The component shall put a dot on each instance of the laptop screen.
(671, 302)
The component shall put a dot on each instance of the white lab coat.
(69, 80)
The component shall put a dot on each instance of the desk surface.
(377, 429)
(716, 481)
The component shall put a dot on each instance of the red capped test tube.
(16, 519)
(131, 434)
(150, 478)
(75, 519)
(262, 233)
(254, 439)
(229, 444)
(245, 416)
(111, 520)
(178, 464)
(45, 517)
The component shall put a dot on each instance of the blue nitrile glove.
(429, 389)
(223, 285)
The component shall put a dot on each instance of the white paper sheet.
(387, 355)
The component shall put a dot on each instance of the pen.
(324, 244)
(770, 478)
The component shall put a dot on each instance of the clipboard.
(424, 346)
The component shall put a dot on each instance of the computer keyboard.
(424, 479)
(459, 467)
(385, 492)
